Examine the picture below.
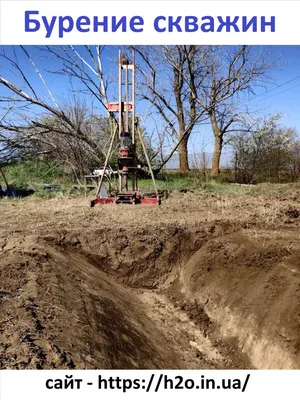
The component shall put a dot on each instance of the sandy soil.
(203, 281)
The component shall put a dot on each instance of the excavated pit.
(213, 297)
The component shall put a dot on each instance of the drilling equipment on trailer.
(127, 160)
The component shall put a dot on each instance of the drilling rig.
(128, 131)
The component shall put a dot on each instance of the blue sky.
(281, 94)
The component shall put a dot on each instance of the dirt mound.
(74, 300)
(140, 257)
(231, 283)
(209, 294)
(249, 283)
(59, 311)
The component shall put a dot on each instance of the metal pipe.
(120, 94)
(134, 175)
(106, 160)
(148, 160)
(133, 98)
(126, 100)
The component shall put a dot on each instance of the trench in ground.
(213, 297)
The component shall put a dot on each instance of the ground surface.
(203, 281)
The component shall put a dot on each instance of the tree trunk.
(215, 169)
(183, 156)
(182, 148)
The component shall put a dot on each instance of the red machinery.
(127, 161)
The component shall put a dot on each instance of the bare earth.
(203, 281)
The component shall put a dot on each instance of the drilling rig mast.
(128, 132)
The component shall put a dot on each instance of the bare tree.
(231, 76)
(187, 84)
(30, 117)
(170, 79)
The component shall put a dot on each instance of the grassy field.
(35, 175)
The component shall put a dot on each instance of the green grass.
(33, 174)
(172, 181)
(198, 184)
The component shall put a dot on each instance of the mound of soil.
(61, 312)
(196, 291)
(249, 284)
